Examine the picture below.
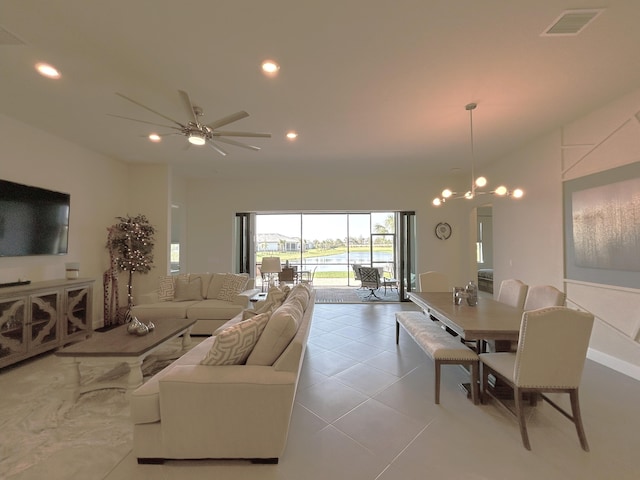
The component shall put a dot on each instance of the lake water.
(342, 261)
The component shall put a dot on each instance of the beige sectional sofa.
(211, 298)
(191, 410)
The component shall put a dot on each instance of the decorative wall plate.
(443, 230)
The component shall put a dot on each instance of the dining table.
(487, 320)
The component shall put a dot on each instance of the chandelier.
(476, 183)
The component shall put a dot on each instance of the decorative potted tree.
(130, 245)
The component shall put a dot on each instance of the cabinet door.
(77, 312)
(13, 339)
(44, 319)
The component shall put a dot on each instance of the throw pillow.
(233, 345)
(217, 279)
(165, 288)
(233, 285)
(188, 289)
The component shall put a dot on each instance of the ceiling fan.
(197, 132)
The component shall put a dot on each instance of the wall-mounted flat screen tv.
(33, 221)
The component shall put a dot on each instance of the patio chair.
(356, 270)
(370, 278)
(309, 279)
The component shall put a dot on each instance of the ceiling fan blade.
(150, 109)
(220, 133)
(143, 121)
(216, 148)
(237, 144)
(189, 104)
(234, 117)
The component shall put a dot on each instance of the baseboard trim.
(614, 363)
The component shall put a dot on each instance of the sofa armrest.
(236, 411)
(243, 298)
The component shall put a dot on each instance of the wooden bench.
(441, 346)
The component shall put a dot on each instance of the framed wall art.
(602, 227)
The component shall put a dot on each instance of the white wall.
(98, 193)
(528, 234)
(212, 206)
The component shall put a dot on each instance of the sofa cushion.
(152, 311)
(205, 279)
(275, 298)
(217, 279)
(233, 345)
(233, 285)
(301, 292)
(188, 289)
(278, 333)
(213, 310)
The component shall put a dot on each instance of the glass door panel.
(44, 318)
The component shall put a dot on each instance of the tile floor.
(364, 410)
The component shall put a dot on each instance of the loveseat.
(211, 403)
(211, 298)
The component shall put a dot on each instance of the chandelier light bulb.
(501, 190)
(476, 183)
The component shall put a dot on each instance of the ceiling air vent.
(8, 38)
(571, 22)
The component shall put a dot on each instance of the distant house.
(275, 242)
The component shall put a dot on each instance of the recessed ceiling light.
(47, 70)
(292, 135)
(154, 137)
(269, 67)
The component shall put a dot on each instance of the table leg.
(186, 339)
(135, 377)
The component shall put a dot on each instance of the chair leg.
(517, 395)
(437, 382)
(577, 419)
(397, 331)
(485, 384)
(475, 382)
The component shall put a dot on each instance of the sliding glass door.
(326, 246)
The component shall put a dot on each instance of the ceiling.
(372, 86)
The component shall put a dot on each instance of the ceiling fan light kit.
(476, 183)
(196, 138)
(198, 133)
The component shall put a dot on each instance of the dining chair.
(552, 349)
(539, 296)
(370, 278)
(513, 292)
(433, 281)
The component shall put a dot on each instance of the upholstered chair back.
(513, 292)
(433, 281)
(539, 296)
(552, 348)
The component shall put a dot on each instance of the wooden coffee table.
(113, 359)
